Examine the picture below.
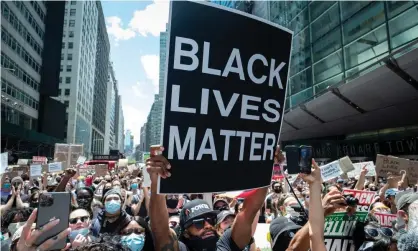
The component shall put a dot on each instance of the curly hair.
(105, 242)
(9, 215)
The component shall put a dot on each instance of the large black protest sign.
(224, 98)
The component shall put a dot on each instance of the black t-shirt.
(226, 243)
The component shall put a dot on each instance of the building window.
(72, 12)
(66, 12)
(67, 92)
(72, 23)
(67, 80)
(71, 34)
(70, 45)
(69, 68)
(73, 2)
(70, 57)
(66, 103)
(59, 92)
(60, 80)
(61, 68)
(62, 56)
(63, 45)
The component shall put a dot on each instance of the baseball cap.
(406, 199)
(222, 215)
(391, 192)
(193, 210)
(282, 231)
(340, 181)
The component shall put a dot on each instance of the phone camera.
(350, 200)
(46, 200)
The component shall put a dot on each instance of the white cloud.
(134, 119)
(114, 29)
(152, 20)
(151, 65)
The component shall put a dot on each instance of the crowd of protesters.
(116, 212)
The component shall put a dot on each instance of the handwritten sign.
(35, 170)
(385, 164)
(385, 220)
(371, 169)
(4, 162)
(81, 160)
(330, 171)
(55, 167)
(101, 170)
(345, 164)
(413, 172)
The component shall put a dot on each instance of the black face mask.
(277, 190)
(172, 203)
(96, 182)
(198, 244)
(84, 203)
(33, 204)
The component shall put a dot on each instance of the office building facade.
(352, 81)
(110, 122)
(120, 126)
(32, 122)
(100, 85)
(78, 70)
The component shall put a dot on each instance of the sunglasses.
(132, 231)
(82, 219)
(376, 233)
(200, 222)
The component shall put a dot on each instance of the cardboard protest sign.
(371, 170)
(394, 165)
(224, 98)
(68, 153)
(21, 169)
(384, 219)
(81, 160)
(147, 178)
(122, 163)
(330, 171)
(345, 164)
(101, 170)
(22, 162)
(412, 172)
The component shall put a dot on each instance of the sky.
(134, 35)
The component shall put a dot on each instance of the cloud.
(114, 29)
(157, 12)
(151, 65)
(134, 119)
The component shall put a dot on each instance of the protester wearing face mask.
(403, 205)
(80, 227)
(137, 236)
(84, 198)
(113, 218)
(172, 202)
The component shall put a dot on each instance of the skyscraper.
(352, 72)
(119, 125)
(31, 121)
(111, 123)
(128, 142)
(78, 69)
(100, 85)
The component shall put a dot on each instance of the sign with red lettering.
(385, 220)
(365, 198)
(39, 160)
(224, 98)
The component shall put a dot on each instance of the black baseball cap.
(194, 209)
(282, 231)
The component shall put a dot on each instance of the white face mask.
(291, 212)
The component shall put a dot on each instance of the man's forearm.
(301, 241)
(164, 240)
(242, 228)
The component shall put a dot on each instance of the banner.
(371, 170)
(224, 98)
(55, 167)
(35, 170)
(385, 220)
(365, 198)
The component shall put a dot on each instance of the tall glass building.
(350, 60)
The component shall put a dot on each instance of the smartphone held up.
(299, 159)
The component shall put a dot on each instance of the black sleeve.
(226, 243)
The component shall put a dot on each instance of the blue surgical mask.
(112, 206)
(82, 231)
(135, 242)
(134, 186)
